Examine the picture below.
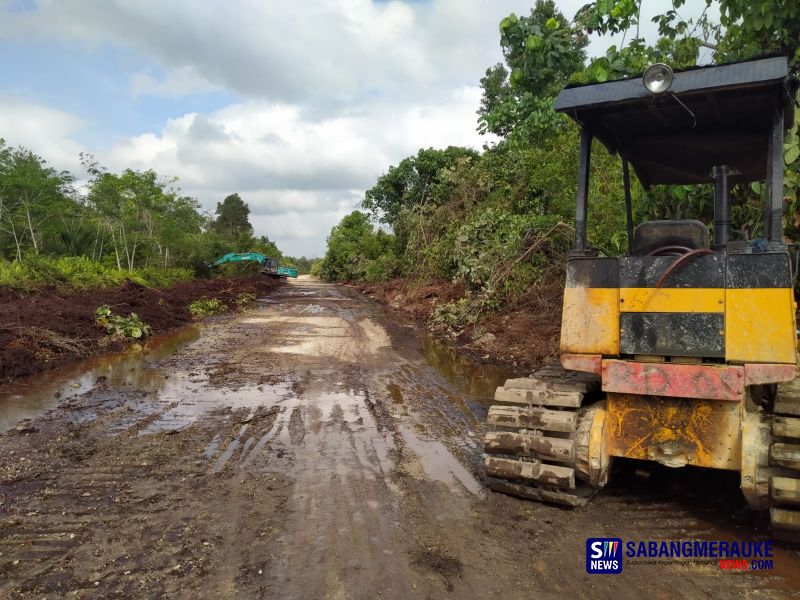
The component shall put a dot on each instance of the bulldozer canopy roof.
(710, 116)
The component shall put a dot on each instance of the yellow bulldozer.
(683, 350)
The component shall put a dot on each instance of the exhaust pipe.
(722, 207)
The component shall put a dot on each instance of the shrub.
(382, 269)
(206, 307)
(132, 327)
(163, 277)
(245, 300)
(79, 272)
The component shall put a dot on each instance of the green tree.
(141, 220)
(233, 218)
(265, 246)
(541, 53)
(302, 264)
(35, 200)
(353, 249)
(414, 182)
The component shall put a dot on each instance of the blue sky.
(296, 106)
(93, 83)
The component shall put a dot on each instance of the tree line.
(121, 221)
(499, 220)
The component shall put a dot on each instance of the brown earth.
(316, 447)
(523, 334)
(41, 329)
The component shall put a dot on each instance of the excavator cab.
(672, 352)
(270, 267)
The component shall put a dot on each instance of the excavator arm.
(269, 266)
(240, 257)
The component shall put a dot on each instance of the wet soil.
(316, 447)
(41, 329)
(525, 332)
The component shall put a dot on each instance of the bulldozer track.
(537, 447)
(784, 459)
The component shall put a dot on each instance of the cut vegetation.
(42, 329)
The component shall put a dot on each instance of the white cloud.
(326, 53)
(47, 131)
(290, 170)
(178, 82)
(331, 93)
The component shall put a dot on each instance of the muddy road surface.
(315, 447)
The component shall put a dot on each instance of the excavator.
(269, 266)
(682, 351)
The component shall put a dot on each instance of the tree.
(141, 219)
(352, 246)
(760, 27)
(415, 182)
(541, 52)
(125, 221)
(233, 218)
(412, 189)
(34, 200)
(745, 29)
(302, 264)
(265, 246)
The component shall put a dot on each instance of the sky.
(297, 106)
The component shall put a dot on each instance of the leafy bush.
(206, 307)
(316, 268)
(162, 277)
(352, 244)
(454, 315)
(382, 268)
(244, 300)
(132, 327)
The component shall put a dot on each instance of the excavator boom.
(240, 257)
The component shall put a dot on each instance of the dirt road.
(315, 447)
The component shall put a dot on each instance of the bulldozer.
(683, 350)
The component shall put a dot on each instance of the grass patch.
(81, 273)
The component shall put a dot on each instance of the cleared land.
(316, 447)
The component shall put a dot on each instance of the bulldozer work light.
(657, 78)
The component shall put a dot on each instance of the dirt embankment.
(524, 332)
(41, 329)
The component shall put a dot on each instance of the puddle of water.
(439, 464)
(225, 456)
(477, 380)
(313, 309)
(31, 397)
(395, 393)
(212, 446)
(180, 385)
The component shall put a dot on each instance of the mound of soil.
(414, 297)
(41, 329)
(524, 333)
